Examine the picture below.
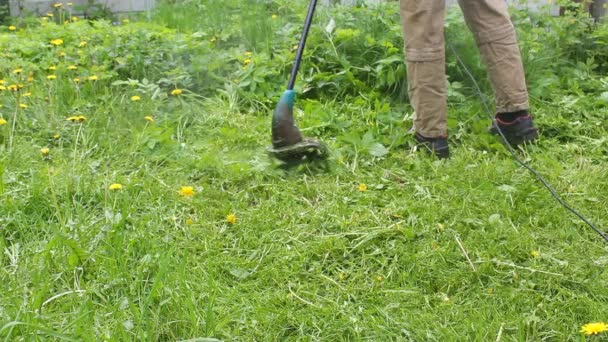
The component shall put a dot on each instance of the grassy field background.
(103, 133)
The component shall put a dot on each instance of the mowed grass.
(472, 248)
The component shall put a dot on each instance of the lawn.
(137, 200)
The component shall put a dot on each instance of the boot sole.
(528, 137)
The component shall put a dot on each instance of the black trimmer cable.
(514, 153)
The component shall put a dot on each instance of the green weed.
(138, 202)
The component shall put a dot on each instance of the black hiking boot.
(517, 127)
(438, 146)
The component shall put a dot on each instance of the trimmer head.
(305, 150)
(288, 145)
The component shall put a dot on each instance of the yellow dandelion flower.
(149, 118)
(23, 106)
(135, 98)
(12, 28)
(379, 278)
(75, 18)
(52, 67)
(93, 78)
(30, 79)
(62, 54)
(45, 18)
(535, 254)
(45, 151)
(594, 328)
(189, 222)
(77, 80)
(82, 44)
(27, 94)
(57, 42)
(2, 87)
(274, 16)
(186, 191)
(2, 122)
(115, 186)
(231, 218)
(13, 87)
(2, 81)
(341, 276)
(362, 187)
(20, 86)
(17, 71)
(50, 15)
(176, 92)
(51, 77)
(295, 47)
(57, 5)
(77, 118)
(248, 53)
(56, 136)
(72, 67)
(247, 61)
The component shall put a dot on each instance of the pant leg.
(422, 24)
(495, 36)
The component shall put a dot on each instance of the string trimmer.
(288, 145)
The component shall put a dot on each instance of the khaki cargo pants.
(422, 23)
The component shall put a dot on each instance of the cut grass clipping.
(138, 203)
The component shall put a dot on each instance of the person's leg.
(495, 36)
(422, 24)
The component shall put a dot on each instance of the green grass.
(468, 249)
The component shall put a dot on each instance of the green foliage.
(95, 10)
(385, 245)
(4, 12)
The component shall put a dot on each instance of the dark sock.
(422, 137)
(511, 116)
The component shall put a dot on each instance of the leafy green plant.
(138, 202)
(4, 12)
(95, 10)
